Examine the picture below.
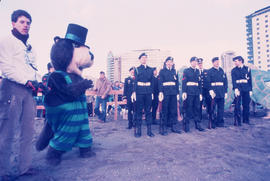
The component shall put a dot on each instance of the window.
(268, 60)
(258, 38)
(266, 26)
(267, 50)
(258, 42)
(266, 31)
(267, 45)
(259, 57)
(266, 16)
(259, 52)
(258, 33)
(266, 21)
(259, 62)
(258, 28)
(257, 19)
(267, 40)
(260, 67)
(259, 47)
(268, 55)
(268, 65)
(266, 36)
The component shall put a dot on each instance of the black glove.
(42, 88)
(88, 83)
(33, 85)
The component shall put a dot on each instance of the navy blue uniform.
(191, 85)
(242, 80)
(205, 91)
(143, 87)
(155, 100)
(169, 85)
(219, 84)
(128, 89)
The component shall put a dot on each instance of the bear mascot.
(66, 109)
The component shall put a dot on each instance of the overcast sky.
(203, 28)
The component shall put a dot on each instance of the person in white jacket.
(17, 106)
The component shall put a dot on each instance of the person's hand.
(184, 96)
(33, 85)
(236, 92)
(226, 96)
(160, 97)
(152, 96)
(200, 97)
(103, 97)
(178, 97)
(133, 97)
(250, 93)
(212, 94)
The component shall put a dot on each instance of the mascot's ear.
(55, 39)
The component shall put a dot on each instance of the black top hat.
(76, 33)
(141, 55)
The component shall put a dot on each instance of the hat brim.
(56, 38)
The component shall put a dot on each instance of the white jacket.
(16, 60)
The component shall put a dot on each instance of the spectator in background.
(45, 77)
(155, 92)
(102, 87)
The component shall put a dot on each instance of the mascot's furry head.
(70, 54)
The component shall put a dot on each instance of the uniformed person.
(242, 86)
(143, 95)
(205, 88)
(191, 87)
(218, 86)
(128, 89)
(169, 91)
(155, 92)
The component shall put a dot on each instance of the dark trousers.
(154, 107)
(244, 98)
(193, 108)
(169, 110)
(90, 108)
(206, 102)
(17, 113)
(131, 108)
(103, 102)
(143, 102)
(219, 103)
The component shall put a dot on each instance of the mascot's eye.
(75, 45)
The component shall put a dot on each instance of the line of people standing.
(144, 90)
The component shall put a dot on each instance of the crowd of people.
(66, 104)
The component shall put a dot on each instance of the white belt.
(192, 84)
(168, 83)
(217, 84)
(241, 81)
(143, 83)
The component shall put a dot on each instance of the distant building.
(258, 31)
(113, 67)
(227, 61)
(156, 58)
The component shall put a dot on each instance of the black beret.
(193, 59)
(141, 55)
(199, 60)
(238, 58)
(169, 58)
(215, 59)
(132, 68)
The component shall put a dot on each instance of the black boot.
(129, 125)
(186, 126)
(198, 126)
(175, 130)
(149, 131)
(53, 156)
(163, 130)
(138, 131)
(86, 152)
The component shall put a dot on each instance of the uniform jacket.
(204, 79)
(217, 76)
(16, 60)
(129, 86)
(168, 76)
(191, 75)
(243, 73)
(144, 75)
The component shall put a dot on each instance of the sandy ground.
(222, 154)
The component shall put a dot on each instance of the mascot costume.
(66, 110)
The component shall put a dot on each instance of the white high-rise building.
(156, 58)
(113, 67)
(258, 32)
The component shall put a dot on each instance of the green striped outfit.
(69, 122)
